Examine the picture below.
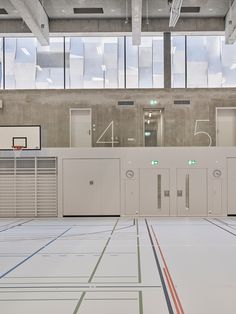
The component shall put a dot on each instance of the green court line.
(140, 302)
(79, 303)
(101, 256)
(111, 299)
(138, 252)
(95, 269)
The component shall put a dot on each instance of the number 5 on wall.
(196, 132)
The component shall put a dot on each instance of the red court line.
(166, 270)
(171, 291)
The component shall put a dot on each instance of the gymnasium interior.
(117, 156)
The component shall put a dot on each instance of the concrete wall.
(50, 108)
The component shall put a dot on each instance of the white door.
(226, 126)
(231, 186)
(80, 128)
(192, 192)
(91, 187)
(154, 192)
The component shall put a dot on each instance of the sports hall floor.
(118, 266)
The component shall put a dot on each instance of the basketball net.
(17, 150)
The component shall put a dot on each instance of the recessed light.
(26, 52)
(159, 10)
(210, 9)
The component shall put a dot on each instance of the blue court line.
(19, 224)
(27, 258)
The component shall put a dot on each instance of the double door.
(188, 195)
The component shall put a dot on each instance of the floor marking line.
(79, 303)
(225, 223)
(103, 251)
(19, 224)
(166, 270)
(171, 291)
(213, 223)
(29, 257)
(169, 306)
(95, 269)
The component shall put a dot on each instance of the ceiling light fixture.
(147, 9)
(99, 50)
(126, 12)
(39, 68)
(26, 52)
(175, 12)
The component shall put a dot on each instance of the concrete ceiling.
(117, 8)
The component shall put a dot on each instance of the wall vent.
(88, 11)
(3, 11)
(182, 102)
(190, 9)
(125, 103)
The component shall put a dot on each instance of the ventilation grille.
(125, 103)
(182, 102)
(88, 11)
(3, 11)
(28, 187)
(190, 9)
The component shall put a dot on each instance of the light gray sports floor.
(118, 266)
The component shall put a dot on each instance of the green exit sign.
(155, 162)
(192, 162)
(153, 102)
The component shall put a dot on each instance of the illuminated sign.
(155, 162)
(192, 162)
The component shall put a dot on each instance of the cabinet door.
(154, 192)
(192, 192)
(91, 187)
(231, 186)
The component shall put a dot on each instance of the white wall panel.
(91, 187)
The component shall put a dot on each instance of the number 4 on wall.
(107, 129)
(196, 132)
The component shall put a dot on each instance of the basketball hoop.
(17, 150)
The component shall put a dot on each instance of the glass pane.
(145, 63)
(178, 61)
(94, 62)
(197, 61)
(28, 65)
(228, 59)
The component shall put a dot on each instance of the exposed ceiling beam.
(175, 12)
(34, 15)
(136, 22)
(230, 25)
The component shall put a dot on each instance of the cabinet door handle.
(187, 191)
(159, 191)
(179, 193)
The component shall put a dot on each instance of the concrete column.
(167, 60)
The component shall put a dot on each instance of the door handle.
(179, 193)
(187, 191)
(89, 132)
(167, 193)
(159, 191)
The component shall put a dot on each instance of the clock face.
(217, 173)
(129, 174)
